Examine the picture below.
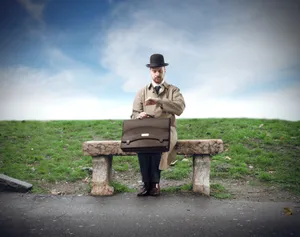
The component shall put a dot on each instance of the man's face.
(157, 74)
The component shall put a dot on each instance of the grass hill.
(42, 152)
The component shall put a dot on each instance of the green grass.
(125, 163)
(181, 170)
(183, 188)
(265, 150)
(121, 188)
(218, 191)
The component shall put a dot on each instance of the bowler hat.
(157, 60)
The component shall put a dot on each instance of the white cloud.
(214, 49)
(34, 8)
(281, 104)
(41, 95)
(29, 94)
(242, 48)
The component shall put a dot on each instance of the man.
(161, 100)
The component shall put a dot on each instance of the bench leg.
(201, 173)
(102, 171)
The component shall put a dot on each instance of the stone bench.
(102, 153)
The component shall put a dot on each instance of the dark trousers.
(149, 166)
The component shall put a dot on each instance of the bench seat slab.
(183, 147)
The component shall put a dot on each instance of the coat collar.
(165, 84)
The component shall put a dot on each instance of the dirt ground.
(250, 189)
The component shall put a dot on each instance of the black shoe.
(155, 190)
(144, 191)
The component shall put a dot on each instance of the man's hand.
(142, 115)
(151, 101)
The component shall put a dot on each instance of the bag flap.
(150, 129)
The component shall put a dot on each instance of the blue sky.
(85, 59)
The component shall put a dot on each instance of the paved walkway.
(128, 215)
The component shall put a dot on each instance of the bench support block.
(201, 173)
(102, 169)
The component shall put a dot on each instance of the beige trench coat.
(170, 103)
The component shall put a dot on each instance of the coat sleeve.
(176, 105)
(138, 104)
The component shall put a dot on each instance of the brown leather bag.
(146, 135)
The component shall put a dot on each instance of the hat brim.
(156, 65)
